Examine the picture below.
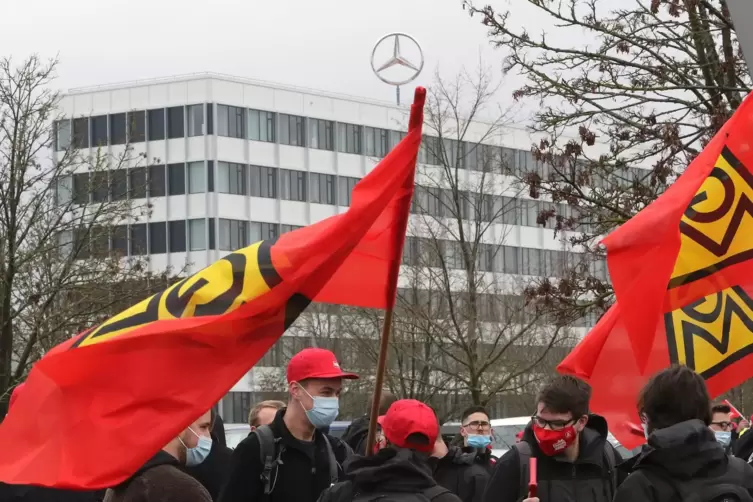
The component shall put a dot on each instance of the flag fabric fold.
(96, 407)
(682, 271)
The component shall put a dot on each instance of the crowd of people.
(694, 451)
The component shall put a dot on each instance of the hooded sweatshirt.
(588, 479)
(160, 479)
(392, 470)
(685, 454)
(463, 471)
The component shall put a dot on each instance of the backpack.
(270, 455)
(728, 489)
(343, 492)
(524, 455)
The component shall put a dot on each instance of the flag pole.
(416, 120)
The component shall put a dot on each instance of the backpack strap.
(269, 456)
(524, 457)
(435, 491)
(611, 463)
(333, 475)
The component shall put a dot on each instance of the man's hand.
(744, 424)
(534, 499)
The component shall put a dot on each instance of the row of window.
(494, 258)
(176, 236)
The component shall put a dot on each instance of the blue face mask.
(478, 441)
(324, 412)
(723, 437)
(196, 455)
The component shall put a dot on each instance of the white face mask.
(196, 455)
(645, 430)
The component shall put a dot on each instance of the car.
(235, 433)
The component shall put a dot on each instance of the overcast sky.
(319, 44)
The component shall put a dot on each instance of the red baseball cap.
(406, 417)
(315, 363)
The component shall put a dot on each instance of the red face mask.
(554, 442)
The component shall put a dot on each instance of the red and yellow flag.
(94, 409)
(682, 271)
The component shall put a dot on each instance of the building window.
(81, 133)
(157, 238)
(99, 130)
(210, 176)
(376, 142)
(349, 138)
(138, 239)
(118, 129)
(197, 178)
(136, 126)
(63, 189)
(157, 181)
(119, 240)
(322, 188)
(230, 121)
(345, 187)
(288, 228)
(197, 234)
(119, 184)
(156, 125)
(264, 182)
(263, 231)
(321, 134)
(210, 118)
(62, 135)
(100, 187)
(81, 188)
(137, 183)
(175, 122)
(291, 130)
(233, 234)
(177, 236)
(292, 185)
(195, 120)
(231, 178)
(176, 179)
(261, 126)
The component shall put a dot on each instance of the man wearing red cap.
(400, 470)
(291, 460)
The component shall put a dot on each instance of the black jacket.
(302, 477)
(743, 446)
(464, 471)
(392, 470)
(687, 453)
(586, 480)
(356, 434)
(28, 493)
(213, 470)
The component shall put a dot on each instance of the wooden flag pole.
(416, 120)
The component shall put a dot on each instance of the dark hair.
(470, 411)
(675, 395)
(385, 401)
(720, 408)
(566, 394)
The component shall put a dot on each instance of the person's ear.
(581, 423)
(463, 432)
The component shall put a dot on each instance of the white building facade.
(233, 161)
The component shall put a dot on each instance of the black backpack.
(727, 488)
(270, 455)
(524, 455)
(343, 492)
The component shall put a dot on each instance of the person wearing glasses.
(722, 425)
(575, 461)
(465, 470)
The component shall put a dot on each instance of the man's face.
(202, 426)
(265, 416)
(315, 387)
(557, 421)
(476, 423)
(721, 422)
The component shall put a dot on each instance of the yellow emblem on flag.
(716, 228)
(712, 333)
(217, 289)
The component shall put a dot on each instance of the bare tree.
(623, 114)
(58, 275)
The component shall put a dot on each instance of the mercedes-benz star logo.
(397, 59)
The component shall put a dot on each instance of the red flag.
(735, 412)
(683, 276)
(94, 409)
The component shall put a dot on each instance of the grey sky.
(323, 44)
